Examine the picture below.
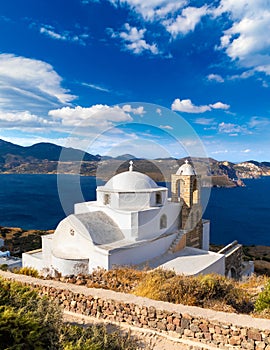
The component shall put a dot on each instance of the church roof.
(101, 228)
(91, 226)
(186, 169)
(130, 181)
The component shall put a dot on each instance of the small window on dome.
(163, 221)
(158, 198)
(106, 199)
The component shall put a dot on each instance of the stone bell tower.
(186, 189)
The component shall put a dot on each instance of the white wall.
(47, 249)
(98, 258)
(137, 225)
(206, 235)
(71, 240)
(134, 200)
(140, 253)
(69, 267)
(149, 220)
(33, 260)
(217, 267)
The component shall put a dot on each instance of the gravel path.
(147, 339)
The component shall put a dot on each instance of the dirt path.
(147, 339)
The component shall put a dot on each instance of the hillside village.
(43, 158)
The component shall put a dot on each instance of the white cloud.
(232, 129)
(166, 127)
(220, 105)
(159, 111)
(134, 40)
(96, 116)
(186, 21)
(89, 121)
(215, 77)
(96, 87)
(258, 122)
(137, 111)
(26, 82)
(246, 150)
(188, 107)
(152, 9)
(205, 121)
(247, 41)
(23, 120)
(63, 36)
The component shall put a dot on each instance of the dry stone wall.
(218, 329)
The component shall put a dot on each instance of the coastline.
(221, 181)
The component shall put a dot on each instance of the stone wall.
(217, 329)
(233, 259)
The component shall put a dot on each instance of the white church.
(133, 222)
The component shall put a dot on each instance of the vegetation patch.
(262, 303)
(29, 321)
(208, 291)
(203, 291)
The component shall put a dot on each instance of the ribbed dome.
(186, 169)
(130, 181)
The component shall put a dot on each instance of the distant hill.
(43, 158)
(43, 151)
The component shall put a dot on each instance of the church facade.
(133, 222)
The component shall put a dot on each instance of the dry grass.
(122, 279)
(208, 291)
(205, 291)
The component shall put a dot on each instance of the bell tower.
(186, 189)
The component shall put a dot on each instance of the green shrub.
(263, 301)
(94, 338)
(4, 267)
(20, 330)
(27, 317)
(29, 321)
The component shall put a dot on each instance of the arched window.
(233, 273)
(163, 222)
(195, 193)
(158, 198)
(106, 199)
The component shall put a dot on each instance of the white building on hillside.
(133, 222)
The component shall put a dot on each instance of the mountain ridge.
(45, 158)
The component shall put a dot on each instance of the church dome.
(130, 181)
(186, 169)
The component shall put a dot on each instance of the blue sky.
(118, 76)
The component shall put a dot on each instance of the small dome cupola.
(186, 169)
(131, 190)
(130, 181)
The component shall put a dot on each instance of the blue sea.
(32, 202)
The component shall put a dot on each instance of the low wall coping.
(194, 311)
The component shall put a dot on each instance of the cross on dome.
(131, 166)
(186, 161)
